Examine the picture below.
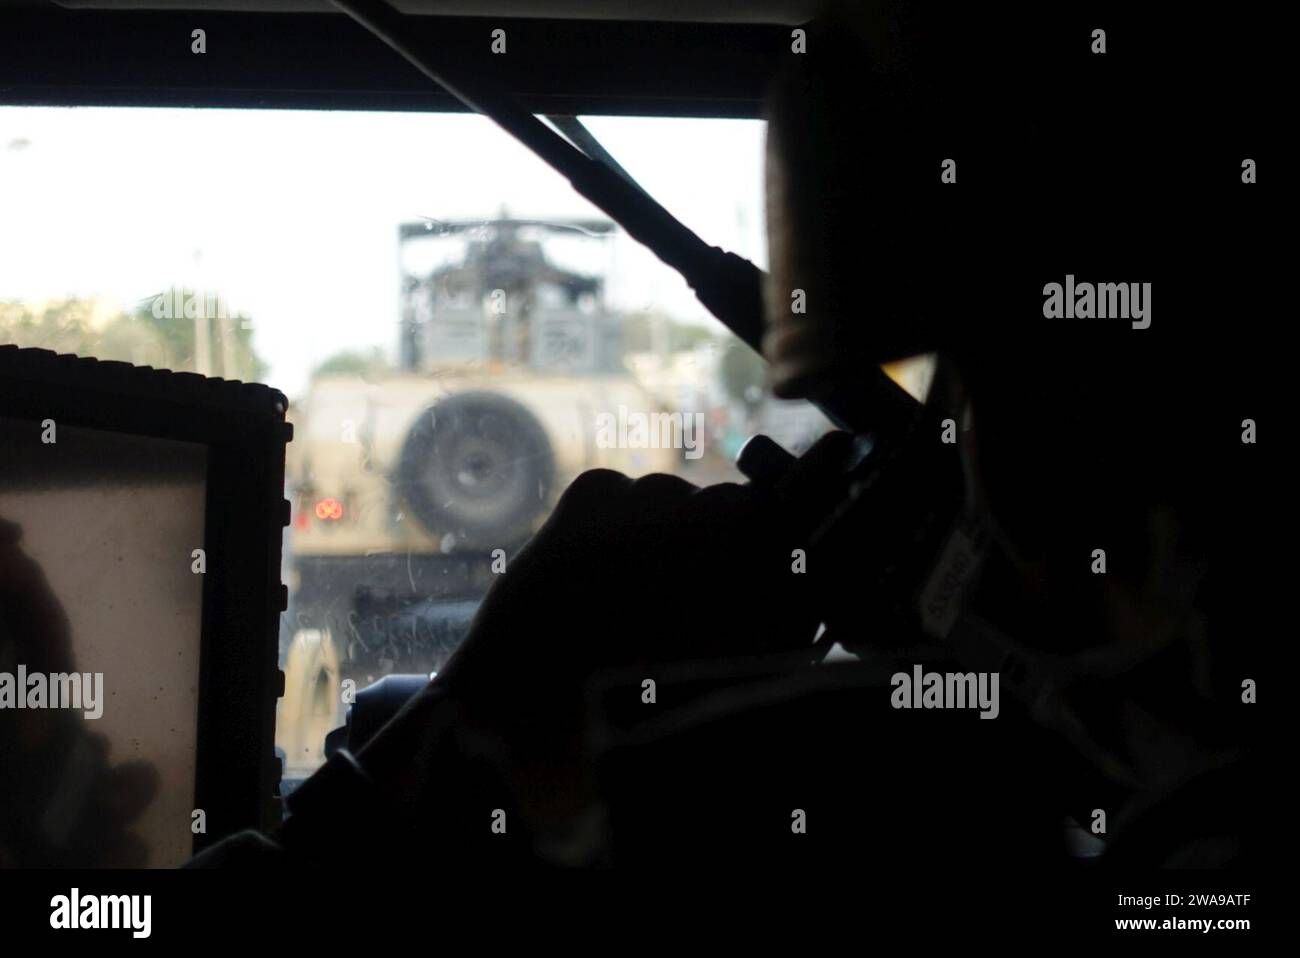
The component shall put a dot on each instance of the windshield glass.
(459, 335)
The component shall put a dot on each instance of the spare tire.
(478, 467)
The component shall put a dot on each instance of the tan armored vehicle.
(413, 487)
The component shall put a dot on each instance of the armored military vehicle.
(412, 487)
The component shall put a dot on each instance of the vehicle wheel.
(478, 467)
(312, 702)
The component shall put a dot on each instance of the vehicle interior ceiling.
(597, 58)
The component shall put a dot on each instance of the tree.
(743, 374)
(353, 363)
(230, 350)
(63, 327)
(138, 337)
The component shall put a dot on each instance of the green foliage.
(138, 337)
(743, 373)
(64, 327)
(353, 363)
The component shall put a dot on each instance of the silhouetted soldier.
(636, 690)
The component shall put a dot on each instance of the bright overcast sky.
(293, 214)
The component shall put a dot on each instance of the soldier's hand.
(624, 574)
(632, 573)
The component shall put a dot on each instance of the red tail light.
(329, 510)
